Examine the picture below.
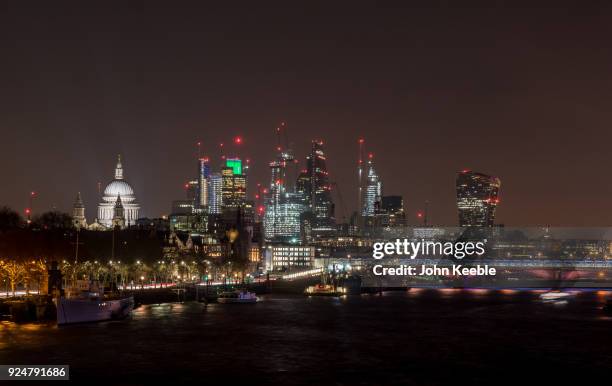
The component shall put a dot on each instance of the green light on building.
(235, 164)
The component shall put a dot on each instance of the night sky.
(524, 94)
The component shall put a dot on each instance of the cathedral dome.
(118, 194)
(118, 188)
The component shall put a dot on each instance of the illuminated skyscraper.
(291, 209)
(215, 197)
(233, 189)
(372, 190)
(272, 216)
(203, 181)
(314, 184)
(477, 198)
(282, 223)
(283, 207)
(235, 164)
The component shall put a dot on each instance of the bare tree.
(15, 272)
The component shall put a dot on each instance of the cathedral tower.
(78, 213)
(118, 214)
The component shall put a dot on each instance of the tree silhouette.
(9, 219)
(53, 220)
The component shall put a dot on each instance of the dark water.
(415, 337)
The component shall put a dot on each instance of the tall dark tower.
(78, 213)
(317, 190)
(203, 182)
(118, 214)
(372, 190)
(477, 198)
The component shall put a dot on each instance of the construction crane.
(360, 172)
(282, 141)
(286, 156)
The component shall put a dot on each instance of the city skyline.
(414, 217)
(520, 94)
(306, 193)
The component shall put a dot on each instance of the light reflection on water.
(370, 335)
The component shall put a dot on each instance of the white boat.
(555, 297)
(237, 297)
(90, 307)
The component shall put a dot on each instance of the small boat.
(555, 297)
(90, 307)
(325, 290)
(237, 297)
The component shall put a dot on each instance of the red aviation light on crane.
(278, 146)
(238, 140)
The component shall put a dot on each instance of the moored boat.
(554, 296)
(90, 307)
(237, 297)
(325, 290)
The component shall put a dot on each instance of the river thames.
(413, 337)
